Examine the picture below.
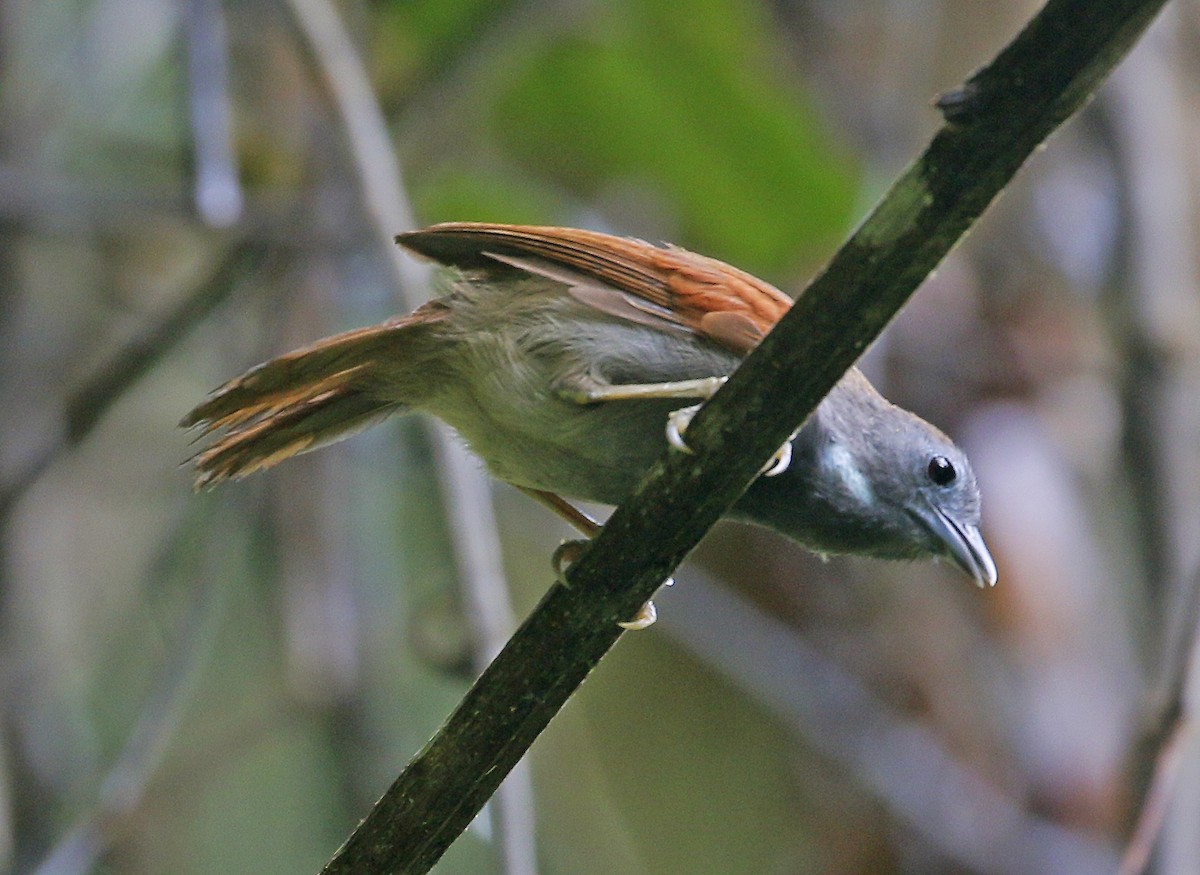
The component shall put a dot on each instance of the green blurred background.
(225, 682)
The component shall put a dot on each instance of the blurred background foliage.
(225, 682)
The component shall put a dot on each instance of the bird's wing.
(627, 278)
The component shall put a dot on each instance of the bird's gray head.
(870, 478)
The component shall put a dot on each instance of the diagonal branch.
(957, 811)
(1156, 755)
(993, 124)
(94, 396)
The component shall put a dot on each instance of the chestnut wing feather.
(654, 285)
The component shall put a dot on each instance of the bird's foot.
(678, 421)
(565, 555)
(645, 617)
(568, 552)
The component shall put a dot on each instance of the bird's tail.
(310, 397)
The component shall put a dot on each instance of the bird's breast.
(505, 396)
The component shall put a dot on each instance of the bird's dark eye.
(941, 471)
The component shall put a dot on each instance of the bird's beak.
(963, 544)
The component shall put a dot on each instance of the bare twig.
(993, 124)
(467, 494)
(123, 788)
(55, 204)
(490, 616)
(955, 810)
(1156, 757)
(1153, 312)
(367, 136)
(84, 407)
(1165, 754)
(1154, 317)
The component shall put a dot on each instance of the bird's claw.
(568, 552)
(565, 555)
(678, 421)
(645, 617)
(778, 463)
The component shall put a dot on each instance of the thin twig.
(57, 205)
(1168, 750)
(490, 617)
(367, 136)
(84, 406)
(1154, 316)
(467, 494)
(1158, 751)
(993, 124)
(124, 786)
(1152, 310)
(956, 810)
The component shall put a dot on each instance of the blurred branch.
(993, 124)
(123, 788)
(367, 135)
(40, 199)
(218, 192)
(1156, 756)
(1154, 315)
(33, 196)
(1157, 752)
(1153, 311)
(84, 407)
(470, 516)
(955, 810)
(490, 617)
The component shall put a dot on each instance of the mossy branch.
(993, 123)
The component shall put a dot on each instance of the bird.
(561, 356)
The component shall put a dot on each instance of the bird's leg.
(569, 551)
(589, 390)
(564, 509)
